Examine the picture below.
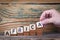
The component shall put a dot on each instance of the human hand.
(50, 16)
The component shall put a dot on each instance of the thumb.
(46, 21)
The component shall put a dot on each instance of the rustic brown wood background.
(32, 1)
(10, 21)
(12, 18)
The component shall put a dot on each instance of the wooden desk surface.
(44, 37)
(32, 1)
(17, 14)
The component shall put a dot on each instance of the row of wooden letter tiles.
(31, 30)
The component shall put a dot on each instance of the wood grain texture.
(15, 15)
(32, 1)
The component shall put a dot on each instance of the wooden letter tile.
(32, 29)
(6, 33)
(26, 30)
(13, 32)
(39, 28)
(20, 31)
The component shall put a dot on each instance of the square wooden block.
(7, 33)
(26, 30)
(32, 29)
(13, 32)
(39, 24)
(32, 32)
(26, 33)
(20, 31)
(39, 30)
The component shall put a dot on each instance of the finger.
(46, 21)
